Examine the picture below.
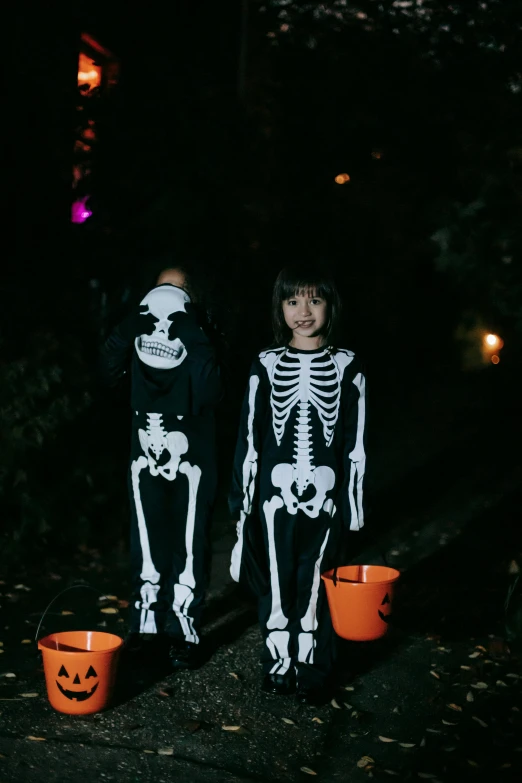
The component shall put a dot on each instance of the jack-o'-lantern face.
(385, 617)
(80, 695)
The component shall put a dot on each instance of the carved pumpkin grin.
(77, 695)
(385, 617)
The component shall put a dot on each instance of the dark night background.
(214, 141)
(218, 148)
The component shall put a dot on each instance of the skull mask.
(155, 347)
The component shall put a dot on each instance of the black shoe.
(312, 694)
(183, 655)
(279, 684)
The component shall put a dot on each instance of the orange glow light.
(495, 359)
(492, 342)
(342, 178)
(88, 72)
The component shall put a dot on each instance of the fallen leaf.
(317, 720)
(1, 644)
(407, 744)
(450, 748)
(335, 704)
(434, 731)
(423, 742)
(472, 763)
(163, 694)
(22, 587)
(474, 654)
(435, 674)
(466, 668)
(308, 771)
(8, 675)
(348, 706)
(287, 720)
(1, 651)
(26, 641)
(448, 723)
(348, 688)
(234, 675)
(426, 775)
(470, 697)
(390, 772)
(501, 684)
(514, 676)
(230, 728)
(513, 568)
(123, 604)
(66, 611)
(149, 751)
(480, 722)
(480, 647)
(480, 686)
(165, 751)
(109, 610)
(454, 707)
(386, 739)
(36, 739)
(507, 765)
(364, 761)
(29, 695)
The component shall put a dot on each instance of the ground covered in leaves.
(438, 699)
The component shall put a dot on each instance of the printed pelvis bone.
(157, 349)
(302, 472)
(155, 440)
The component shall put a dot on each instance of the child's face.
(305, 314)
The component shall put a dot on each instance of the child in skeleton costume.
(298, 481)
(175, 382)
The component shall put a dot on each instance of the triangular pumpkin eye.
(90, 673)
(63, 672)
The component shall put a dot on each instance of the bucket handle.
(336, 578)
(65, 590)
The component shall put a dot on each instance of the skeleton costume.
(298, 481)
(175, 382)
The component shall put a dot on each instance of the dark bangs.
(294, 281)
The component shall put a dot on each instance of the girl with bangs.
(298, 480)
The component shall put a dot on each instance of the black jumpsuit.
(297, 487)
(175, 383)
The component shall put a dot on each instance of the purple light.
(79, 211)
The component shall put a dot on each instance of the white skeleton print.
(306, 382)
(154, 441)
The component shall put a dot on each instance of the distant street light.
(342, 178)
(491, 346)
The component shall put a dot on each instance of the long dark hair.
(292, 281)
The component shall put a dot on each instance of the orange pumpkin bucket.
(80, 669)
(360, 600)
